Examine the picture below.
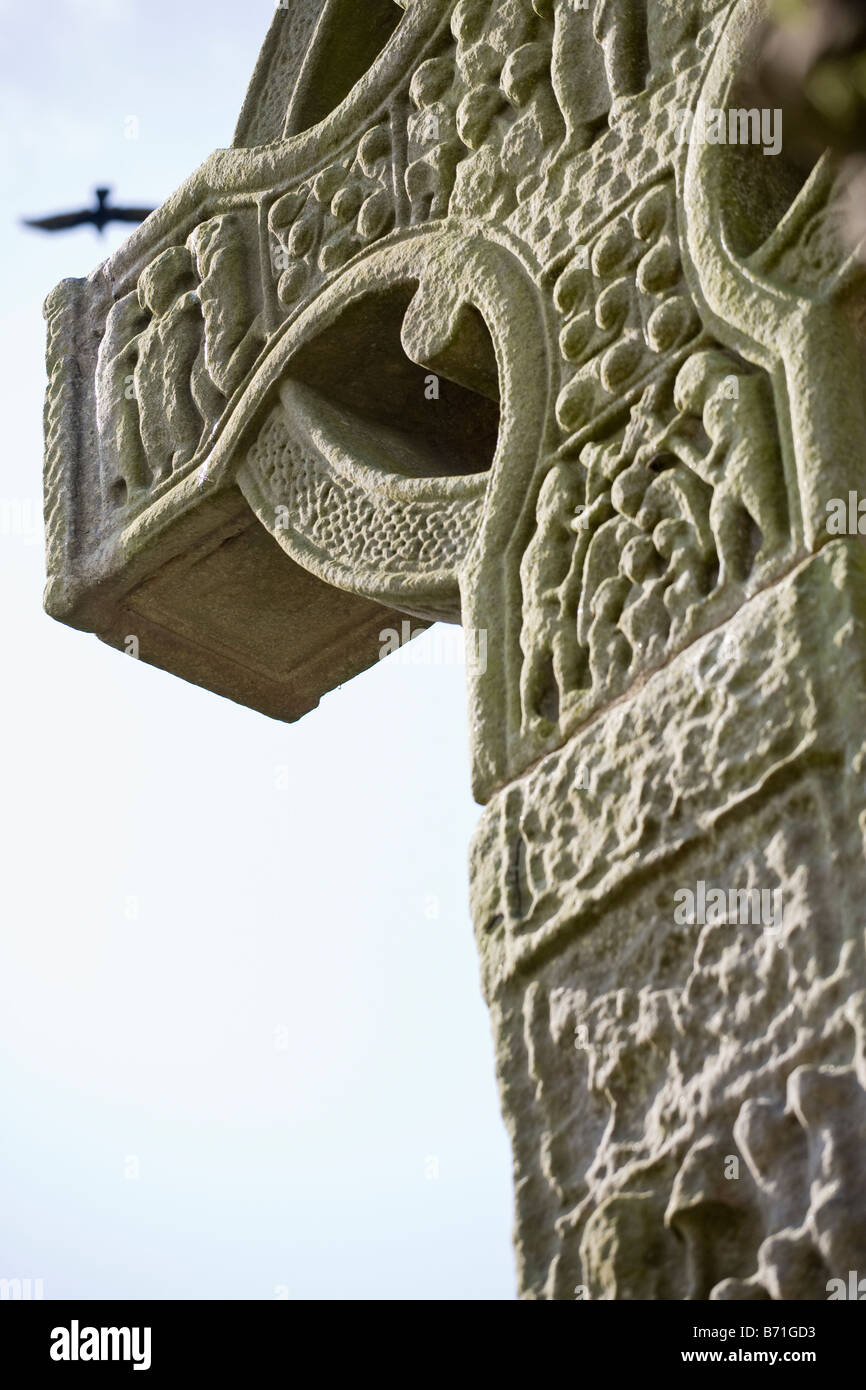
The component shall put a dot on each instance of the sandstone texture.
(519, 314)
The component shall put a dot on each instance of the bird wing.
(128, 214)
(61, 220)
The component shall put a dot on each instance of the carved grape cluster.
(485, 115)
(316, 228)
(625, 305)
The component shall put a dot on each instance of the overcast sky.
(243, 1052)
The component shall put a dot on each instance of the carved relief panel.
(507, 335)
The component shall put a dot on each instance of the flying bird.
(98, 217)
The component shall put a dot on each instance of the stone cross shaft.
(516, 314)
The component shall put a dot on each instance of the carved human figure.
(742, 465)
(676, 492)
(209, 400)
(577, 69)
(670, 506)
(117, 415)
(171, 425)
(599, 57)
(645, 620)
(651, 547)
(233, 334)
(603, 598)
(620, 26)
(615, 489)
(610, 652)
(544, 567)
(676, 541)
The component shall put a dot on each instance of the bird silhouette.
(98, 217)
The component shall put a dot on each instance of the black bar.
(228, 1338)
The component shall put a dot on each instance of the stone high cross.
(511, 313)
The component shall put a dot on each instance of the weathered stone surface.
(626, 421)
(637, 1054)
(509, 312)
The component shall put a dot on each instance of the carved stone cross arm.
(512, 313)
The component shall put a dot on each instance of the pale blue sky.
(269, 999)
